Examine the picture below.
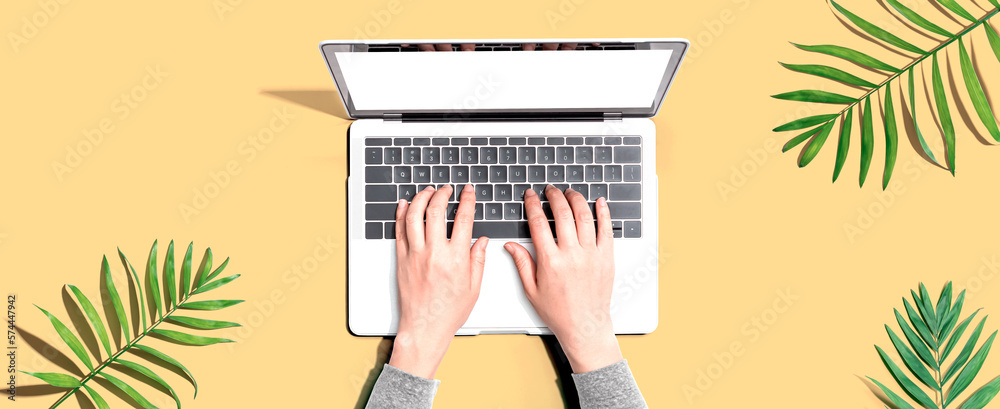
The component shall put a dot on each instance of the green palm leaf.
(186, 272)
(867, 140)
(209, 305)
(848, 54)
(199, 323)
(983, 396)
(216, 284)
(896, 399)
(138, 285)
(953, 341)
(188, 338)
(116, 301)
(805, 122)
(822, 97)
(130, 391)
(151, 375)
(963, 356)
(844, 144)
(813, 147)
(904, 382)
(991, 34)
(799, 139)
(95, 320)
(890, 139)
(98, 400)
(916, 126)
(943, 304)
(971, 370)
(206, 266)
(56, 379)
(830, 73)
(70, 339)
(919, 325)
(918, 345)
(218, 270)
(877, 32)
(173, 362)
(953, 316)
(955, 8)
(918, 19)
(911, 361)
(168, 277)
(979, 101)
(944, 114)
(154, 283)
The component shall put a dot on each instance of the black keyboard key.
(519, 192)
(517, 141)
(632, 140)
(432, 156)
(459, 141)
(501, 230)
(402, 174)
(547, 155)
(494, 211)
(508, 154)
(406, 192)
(390, 230)
(449, 155)
(613, 140)
(421, 174)
(450, 211)
(536, 141)
(503, 193)
(633, 229)
(479, 141)
(626, 191)
(574, 140)
(470, 155)
(373, 156)
(583, 189)
(602, 154)
(555, 173)
(498, 141)
(378, 174)
(526, 155)
(512, 211)
(498, 174)
(556, 140)
(479, 174)
(536, 173)
(460, 174)
(561, 186)
(479, 211)
(488, 155)
(628, 154)
(547, 209)
(585, 154)
(411, 156)
(540, 191)
(594, 173)
(625, 210)
(440, 174)
(594, 140)
(574, 173)
(380, 193)
(517, 174)
(373, 230)
(484, 193)
(421, 141)
(439, 141)
(598, 190)
(564, 154)
(393, 156)
(613, 173)
(401, 141)
(380, 211)
(632, 173)
(378, 142)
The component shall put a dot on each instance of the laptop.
(505, 116)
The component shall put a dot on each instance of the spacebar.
(498, 230)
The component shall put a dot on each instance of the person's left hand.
(438, 278)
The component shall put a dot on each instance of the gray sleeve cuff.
(609, 387)
(396, 388)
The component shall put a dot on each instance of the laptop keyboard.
(501, 169)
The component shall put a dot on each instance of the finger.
(528, 46)
(565, 226)
(605, 236)
(550, 46)
(468, 47)
(462, 232)
(442, 47)
(425, 47)
(415, 218)
(477, 256)
(401, 244)
(525, 267)
(435, 229)
(584, 218)
(538, 224)
(568, 46)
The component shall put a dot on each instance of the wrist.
(418, 355)
(586, 354)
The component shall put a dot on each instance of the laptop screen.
(628, 81)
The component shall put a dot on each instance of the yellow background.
(725, 256)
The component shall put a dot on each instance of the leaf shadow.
(151, 309)
(322, 100)
(117, 392)
(911, 130)
(153, 359)
(83, 400)
(963, 111)
(933, 105)
(564, 372)
(133, 301)
(140, 377)
(877, 392)
(40, 390)
(49, 352)
(871, 39)
(382, 353)
(114, 325)
(907, 23)
(985, 85)
(79, 321)
(946, 12)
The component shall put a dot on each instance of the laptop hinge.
(392, 117)
(612, 116)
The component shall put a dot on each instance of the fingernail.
(467, 186)
(529, 192)
(508, 247)
(429, 188)
(601, 202)
(569, 189)
(549, 186)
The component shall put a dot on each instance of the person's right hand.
(571, 283)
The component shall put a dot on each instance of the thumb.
(478, 257)
(525, 265)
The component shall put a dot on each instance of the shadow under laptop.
(381, 358)
(564, 372)
(322, 100)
